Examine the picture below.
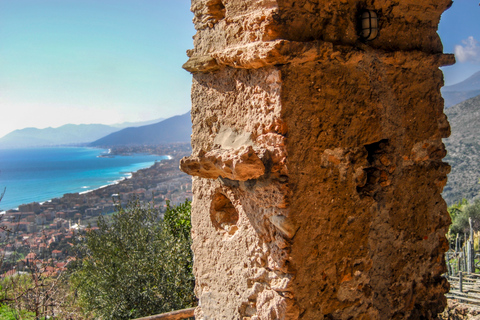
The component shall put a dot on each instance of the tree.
(137, 264)
(35, 290)
(460, 214)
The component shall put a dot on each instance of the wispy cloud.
(468, 51)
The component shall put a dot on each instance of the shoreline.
(115, 182)
(59, 219)
(129, 176)
(111, 152)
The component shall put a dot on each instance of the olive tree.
(137, 264)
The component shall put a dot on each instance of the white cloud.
(469, 51)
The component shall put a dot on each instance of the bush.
(460, 214)
(137, 264)
(9, 313)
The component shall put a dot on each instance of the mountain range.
(165, 131)
(462, 91)
(69, 134)
(174, 129)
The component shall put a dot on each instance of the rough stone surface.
(317, 160)
(239, 164)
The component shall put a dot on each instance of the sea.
(41, 174)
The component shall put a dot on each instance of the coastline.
(57, 220)
(134, 179)
(64, 172)
(129, 175)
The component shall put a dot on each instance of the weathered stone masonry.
(317, 160)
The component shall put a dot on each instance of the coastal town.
(42, 234)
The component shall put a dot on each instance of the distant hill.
(463, 151)
(462, 91)
(124, 125)
(69, 134)
(174, 129)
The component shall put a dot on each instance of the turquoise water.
(45, 173)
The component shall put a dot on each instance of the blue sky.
(459, 30)
(110, 61)
(92, 61)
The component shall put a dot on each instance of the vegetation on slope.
(463, 152)
(137, 264)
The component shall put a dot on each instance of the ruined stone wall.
(317, 160)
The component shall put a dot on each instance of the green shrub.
(460, 214)
(137, 264)
(9, 313)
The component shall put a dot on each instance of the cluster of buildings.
(47, 252)
(42, 233)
